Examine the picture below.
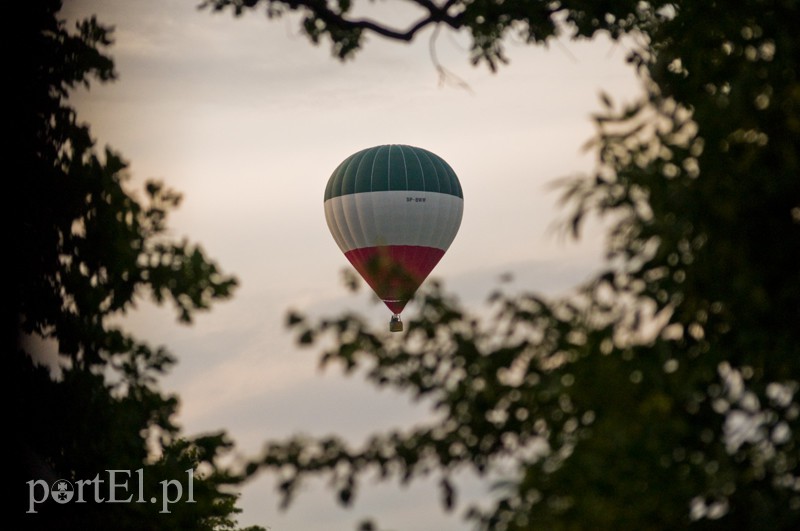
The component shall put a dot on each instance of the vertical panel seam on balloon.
(421, 170)
(357, 200)
(405, 166)
(438, 216)
(349, 240)
(352, 172)
(422, 225)
(389, 169)
(372, 171)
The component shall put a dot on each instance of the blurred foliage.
(663, 393)
(85, 246)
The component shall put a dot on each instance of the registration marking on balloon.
(394, 210)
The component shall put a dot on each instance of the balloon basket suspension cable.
(395, 324)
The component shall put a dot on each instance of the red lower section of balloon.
(394, 272)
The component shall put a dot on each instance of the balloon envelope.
(394, 210)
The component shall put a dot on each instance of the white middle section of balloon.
(396, 217)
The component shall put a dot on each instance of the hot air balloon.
(393, 211)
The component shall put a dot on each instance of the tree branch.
(436, 14)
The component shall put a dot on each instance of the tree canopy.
(662, 393)
(86, 246)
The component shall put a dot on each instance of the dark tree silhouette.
(665, 389)
(85, 245)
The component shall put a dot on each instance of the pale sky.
(249, 120)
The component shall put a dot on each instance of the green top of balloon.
(393, 167)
